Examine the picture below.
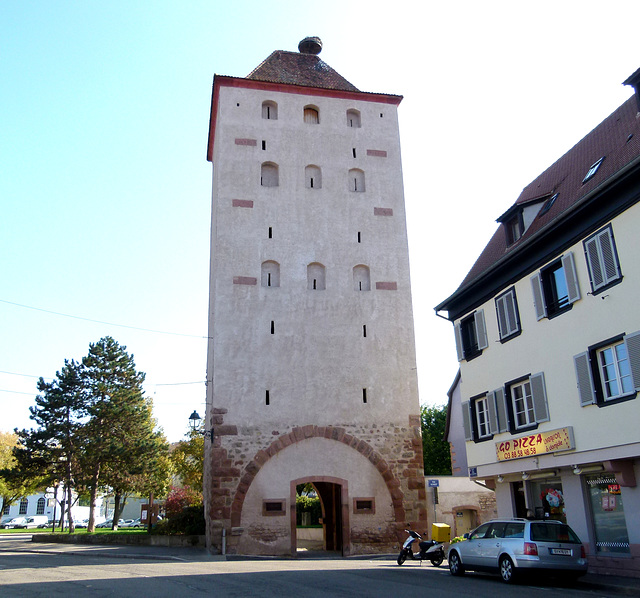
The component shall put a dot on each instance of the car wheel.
(402, 557)
(436, 562)
(455, 565)
(507, 570)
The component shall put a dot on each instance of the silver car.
(512, 546)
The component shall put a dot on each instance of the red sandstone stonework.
(402, 471)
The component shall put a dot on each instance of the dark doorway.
(519, 502)
(332, 493)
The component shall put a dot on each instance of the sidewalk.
(608, 584)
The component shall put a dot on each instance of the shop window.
(471, 336)
(609, 372)
(607, 511)
(555, 287)
(602, 260)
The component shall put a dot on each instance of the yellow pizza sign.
(536, 444)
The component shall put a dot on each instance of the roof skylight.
(594, 168)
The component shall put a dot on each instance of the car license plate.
(561, 551)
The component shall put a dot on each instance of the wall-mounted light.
(539, 475)
(194, 422)
(500, 479)
(578, 469)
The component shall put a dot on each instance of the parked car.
(5, 519)
(109, 523)
(33, 521)
(130, 523)
(514, 546)
(15, 522)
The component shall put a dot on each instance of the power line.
(57, 313)
(17, 392)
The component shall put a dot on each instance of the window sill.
(621, 399)
(513, 335)
(613, 283)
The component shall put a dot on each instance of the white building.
(311, 365)
(547, 330)
(44, 503)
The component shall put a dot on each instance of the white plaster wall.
(549, 345)
(317, 362)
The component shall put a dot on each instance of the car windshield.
(559, 532)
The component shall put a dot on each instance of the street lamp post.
(194, 422)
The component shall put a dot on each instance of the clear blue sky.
(105, 188)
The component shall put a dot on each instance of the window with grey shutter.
(498, 398)
(507, 313)
(602, 259)
(493, 415)
(538, 300)
(586, 392)
(539, 394)
(466, 420)
(632, 341)
(573, 289)
(481, 330)
(458, 333)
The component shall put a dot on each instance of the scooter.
(430, 550)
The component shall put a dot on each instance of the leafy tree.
(95, 429)
(12, 485)
(435, 449)
(187, 458)
(50, 451)
(122, 445)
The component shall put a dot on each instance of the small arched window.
(361, 278)
(356, 180)
(316, 277)
(24, 505)
(40, 506)
(270, 274)
(269, 110)
(312, 177)
(311, 115)
(269, 174)
(353, 118)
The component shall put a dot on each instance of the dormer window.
(514, 228)
(592, 171)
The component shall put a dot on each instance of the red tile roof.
(617, 139)
(295, 68)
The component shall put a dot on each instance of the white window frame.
(611, 370)
(588, 368)
(483, 426)
(522, 405)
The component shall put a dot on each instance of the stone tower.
(311, 364)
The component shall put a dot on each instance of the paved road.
(126, 572)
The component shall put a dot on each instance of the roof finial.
(310, 45)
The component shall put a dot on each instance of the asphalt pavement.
(607, 584)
